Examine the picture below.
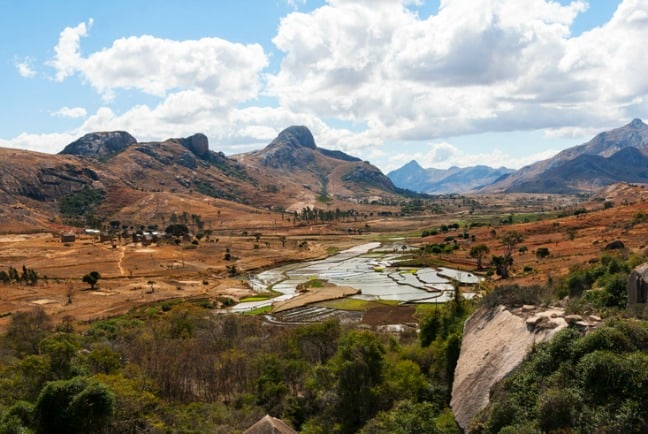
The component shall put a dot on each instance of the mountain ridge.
(443, 181)
(102, 173)
(541, 176)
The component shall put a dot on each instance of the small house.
(68, 237)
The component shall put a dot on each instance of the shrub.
(514, 295)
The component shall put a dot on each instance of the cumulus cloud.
(24, 68)
(472, 67)
(49, 143)
(228, 72)
(67, 58)
(70, 112)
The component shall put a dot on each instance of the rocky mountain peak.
(637, 123)
(293, 147)
(295, 136)
(100, 144)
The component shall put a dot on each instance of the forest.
(181, 367)
(177, 367)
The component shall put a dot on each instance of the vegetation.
(91, 278)
(77, 209)
(577, 383)
(133, 374)
(12, 276)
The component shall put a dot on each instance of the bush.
(558, 409)
(515, 295)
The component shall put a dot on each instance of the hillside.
(292, 165)
(442, 181)
(102, 175)
(613, 156)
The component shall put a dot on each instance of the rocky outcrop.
(495, 341)
(198, 144)
(100, 145)
(637, 285)
(293, 147)
(366, 174)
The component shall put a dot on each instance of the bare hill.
(102, 175)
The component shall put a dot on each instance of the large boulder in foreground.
(98, 145)
(495, 341)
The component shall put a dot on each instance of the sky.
(443, 82)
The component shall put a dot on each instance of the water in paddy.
(366, 268)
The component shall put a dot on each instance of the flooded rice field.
(368, 268)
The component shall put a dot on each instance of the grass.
(259, 311)
(255, 298)
(355, 304)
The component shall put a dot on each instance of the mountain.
(292, 162)
(441, 181)
(110, 175)
(613, 156)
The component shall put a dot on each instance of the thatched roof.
(270, 425)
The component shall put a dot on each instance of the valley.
(135, 273)
(278, 269)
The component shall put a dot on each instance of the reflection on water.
(371, 273)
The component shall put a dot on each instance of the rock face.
(637, 285)
(104, 144)
(495, 341)
(198, 144)
(293, 147)
(369, 175)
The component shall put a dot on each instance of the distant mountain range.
(110, 175)
(442, 181)
(619, 155)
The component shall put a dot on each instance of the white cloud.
(68, 58)
(473, 67)
(228, 72)
(49, 143)
(24, 68)
(70, 112)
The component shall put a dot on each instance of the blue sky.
(447, 82)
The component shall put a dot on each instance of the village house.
(68, 236)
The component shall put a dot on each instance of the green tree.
(478, 252)
(542, 252)
(91, 278)
(74, 406)
(177, 230)
(358, 366)
(503, 263)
